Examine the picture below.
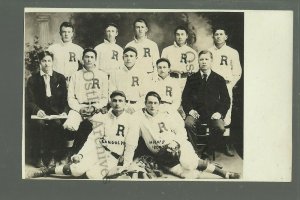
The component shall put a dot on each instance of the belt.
(165, 102)
(117, 156)
(131, 102)
(179, 75)
(88, 103)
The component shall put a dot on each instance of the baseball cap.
(117, 93)
(130, 49)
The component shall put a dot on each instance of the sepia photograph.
(133, 94)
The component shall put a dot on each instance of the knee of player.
(77, 170)
(189, 163)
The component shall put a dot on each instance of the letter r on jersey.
(135, 81)
(162, 127)
(169, 91)
(183, 58)
(223, 60)
(147, 52)
(96, 82)
(121, 129)
(72, 57)
(115, 55)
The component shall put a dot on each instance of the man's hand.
(216, 115)
(76, 158)
(41, 113)
(194, 114)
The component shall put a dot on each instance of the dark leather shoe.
(40, 163)
(229, 150)
(233, 175)
(39, 173)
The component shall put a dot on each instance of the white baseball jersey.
(226, 62)
(132, 82)
(182, 59)
(169, 91)
(112, 132)
(109, 56)
(66, 57)
(88, 87)
(148, 53)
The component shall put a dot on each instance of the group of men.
(111, 97)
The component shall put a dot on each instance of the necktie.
(47, 84)
(204, 78)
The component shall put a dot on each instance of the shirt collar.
(42, 73)
(107, 42)
(208, 73)
(216, 48)
(176, 45)
(136, 40)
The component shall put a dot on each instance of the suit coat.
(206, 98)
(36, 98)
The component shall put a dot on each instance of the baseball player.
(87, 94)
(67, 55)
(162, 135)
(147, 49)
(183, 58)
(109, 53)
(131, 80)
(111, 143)
(226, 62)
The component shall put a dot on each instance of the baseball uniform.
(109, 56)
(226, 62)
(66, 58)
(148, 53)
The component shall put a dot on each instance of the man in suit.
(46, 94)
(206, 100)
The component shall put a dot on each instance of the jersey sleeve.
(72, 100)
(155, 55)
(236, 68)
(195, 63)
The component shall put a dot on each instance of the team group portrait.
(139, 95)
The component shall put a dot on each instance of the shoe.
(52, 162)
(229, 150)
(40, 163)
(40, 173)
(232, 175)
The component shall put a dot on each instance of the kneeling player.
(167, 140)
(111, 143)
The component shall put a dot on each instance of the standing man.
(183, 58)
(67, 55)
(131, 80)
(205, 100)
(113, 138)
(226, 63)
(109, 53)
(46, 94)
(167, 140)
(87, 95)
(147, 49)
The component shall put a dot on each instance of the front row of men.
(205, 99)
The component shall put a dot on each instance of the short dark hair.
(140, 20)
(43, 54)
(215, 28)
(66, 24)
(111, 24)
(117, 93)
(205, 52)
(152, 94)
(163, 60)
(89, 50)
(130, 49)
(181, 28)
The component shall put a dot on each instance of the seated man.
(114, 135)
(205, 100)
(87, 95)
(46, 94)
(162, 134)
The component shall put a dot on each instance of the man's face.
(140, 29)
(89, 60)
(129, 59)
(205, 61)
(111, 33)
(163, 69)
(66, 34)
(180, 37)
(46, 64)
(152, 105)
(118, 103)
(220, 37)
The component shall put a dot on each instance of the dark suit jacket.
(36, 94)
(206, 99)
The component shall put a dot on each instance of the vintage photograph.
(133, 94)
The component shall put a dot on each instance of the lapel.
(210, 77)
(53, 82)
(41, 84)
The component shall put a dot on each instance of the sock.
(61, 170)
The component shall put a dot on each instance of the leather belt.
(179, 75)
(165, 102)
(131, 102)
(88, 103)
